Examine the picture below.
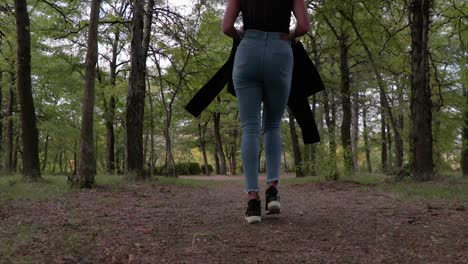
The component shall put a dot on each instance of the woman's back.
(267, 15)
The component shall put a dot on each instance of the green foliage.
(182, 182)
(183, 168)
(196, 41)
(210, 168)
(13, 188)
(189, 168)
(410, 190)
(451, 189)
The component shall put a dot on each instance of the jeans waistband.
(257, 34)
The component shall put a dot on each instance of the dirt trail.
(320, 223)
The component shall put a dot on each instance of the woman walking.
(262, 72)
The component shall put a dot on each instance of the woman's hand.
(292, 38)
(232, 11)
(302, 18)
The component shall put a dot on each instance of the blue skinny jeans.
(262, 73)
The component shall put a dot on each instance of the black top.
(267, 15)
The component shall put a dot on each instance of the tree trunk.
(150, 97)
(216, 157)
(346, 105)
(330, 120)
(75, 158)
(15, 153)
(231, 159)
(201, 137)
(219, 143)
(146, 41)
(366, 138)
(390, 152)
(295, 145)
(87, 164)
(1, 116)
(61, 162)
(169, 162)
(110, 137)
(421, 105)
(145, 145)
(235, 135)
(383, 142)
(9, 133)
(31, 166)
(464, 154)
(313, 148)
(401, 127)
(260, 152)
(110, 109)
(355, 132)
(117, 158)
(286, 169)
(136, 95)
(46, 152)
(96, 151)
(306, 150)
(55, 163)
(147, 28)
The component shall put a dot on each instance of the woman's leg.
(249, 92)
(277, 87)
(249, 96)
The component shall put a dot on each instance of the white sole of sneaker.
(253, 219)
(274, 207)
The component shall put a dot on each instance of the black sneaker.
(272, 205)
(253, 213)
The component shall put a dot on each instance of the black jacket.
(306, 81)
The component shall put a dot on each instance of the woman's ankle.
(253, 195)
(273, 183)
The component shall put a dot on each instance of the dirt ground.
(320, 223)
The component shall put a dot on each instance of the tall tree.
(175, 82)
(110, 106)
(313, 148)
(385, 104)
(219, 143)
(343, 39)
(8, 162)
(346, 103)
(421, 105)
(232, 146)
(31, 166)
(1, 112)
(366, 137)
(202, 142)
(46, 153)
(87, 165)
(355, 131)
(295, 145)
(464, 155)
(136, 95)
(330, 120)
(146, 41)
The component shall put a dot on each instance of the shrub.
(188, 168)
(202, 168)
(183, 168)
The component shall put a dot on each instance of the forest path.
(154, 223)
